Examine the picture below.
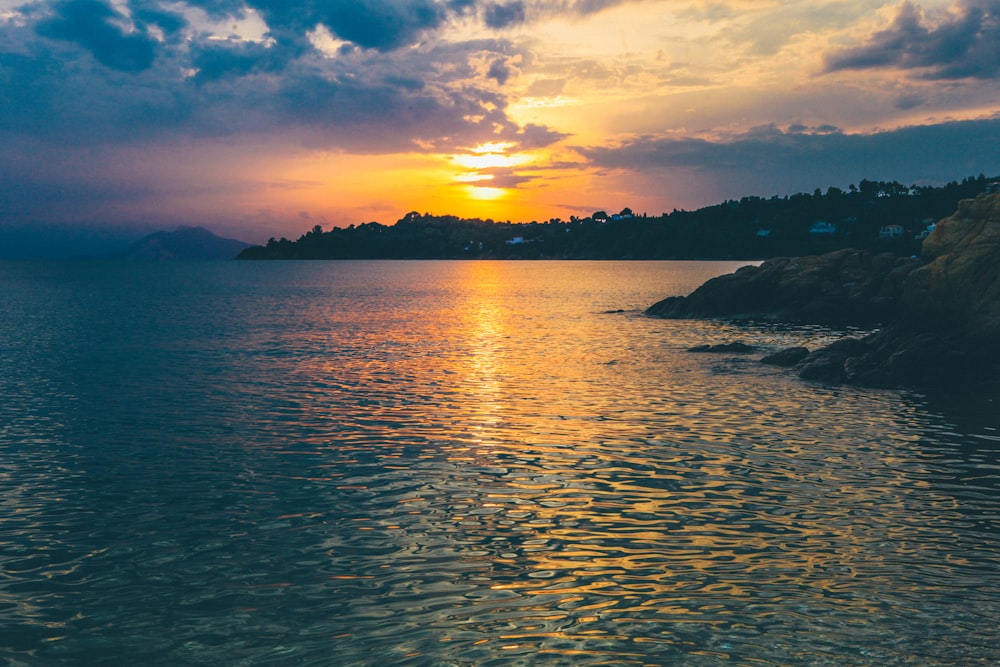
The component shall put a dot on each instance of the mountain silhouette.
(184, 243)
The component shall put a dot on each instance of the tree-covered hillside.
(873, 215)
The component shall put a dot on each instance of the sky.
(261, 118)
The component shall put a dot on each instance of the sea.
(470, 463)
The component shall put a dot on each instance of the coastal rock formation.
(846, 287)
(961, 281)
(948, 322)
(941, 314)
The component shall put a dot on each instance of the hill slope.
(185, 243)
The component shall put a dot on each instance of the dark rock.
(829, 364)
(941, 315)
(723, 348)
(949, 317)
(846, 287)
(787, 357)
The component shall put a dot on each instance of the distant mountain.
(185, 243)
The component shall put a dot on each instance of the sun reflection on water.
(485, 331)
(475, 464)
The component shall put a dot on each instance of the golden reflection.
(578, 509)
(485, 333)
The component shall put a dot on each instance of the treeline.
(873, 215)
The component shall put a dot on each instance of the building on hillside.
(891, 231)
(929, 226)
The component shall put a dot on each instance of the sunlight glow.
(493, 147)
(489, 160)
(478, 163)
(473, 177)
(486, 193)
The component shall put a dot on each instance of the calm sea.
(466, 463)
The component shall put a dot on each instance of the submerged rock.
(736, 347)
(787, 357)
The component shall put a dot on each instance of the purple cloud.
(965, 44)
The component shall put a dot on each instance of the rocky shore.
(939, 314)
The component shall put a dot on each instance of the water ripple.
(466, 464)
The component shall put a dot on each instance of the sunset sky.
(259, 118)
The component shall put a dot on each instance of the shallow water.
(466, 463)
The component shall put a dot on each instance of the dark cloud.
(908, 101)
(533, 136)
(798, 128)
(768, 160)
(152, 16)
(964, 44)
(499, 16)
(88, 24)
(382, 25)
(215, 60)
(199, 86)
(499, 71)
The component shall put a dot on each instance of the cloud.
(499, 16)
(144, 73)
(960, 44)
(546, 88)
(533, 136)
(92, 25)
(499, 71)
(378, 24)
(214, 61)
(381, 25)
(908, 101)
(503, 177)
(768, 160)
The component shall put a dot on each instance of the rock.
(846, 287)
(941, 314)
(961, 281)
(829, 364)
(787, 357)
(949, 316)
(722, 348)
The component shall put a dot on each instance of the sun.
(477, 163)
(485, 193)
(492, 155)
